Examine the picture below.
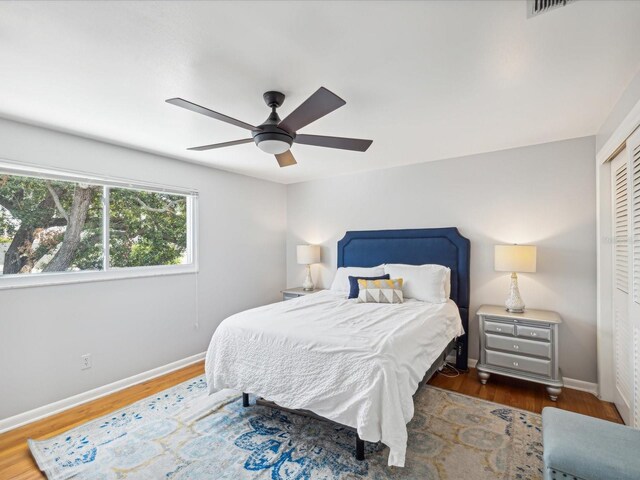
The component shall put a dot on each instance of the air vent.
(536, 7)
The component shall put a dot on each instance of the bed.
(357, 364)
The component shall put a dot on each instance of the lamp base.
(308, 285)
(518, 310)
(514, 302)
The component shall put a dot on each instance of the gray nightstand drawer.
(534, 332)
(289, 296)
(519, 345)
(496, 327)
(516, 362)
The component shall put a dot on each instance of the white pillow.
(422, 282)
(341, 280)
(447, 284)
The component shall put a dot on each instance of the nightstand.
(520, 345)
(289, 293)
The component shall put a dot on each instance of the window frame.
(107, 273)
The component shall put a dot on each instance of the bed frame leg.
(245, 399)
(359, 448)
(462, 343)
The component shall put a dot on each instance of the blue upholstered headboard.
(443, 246)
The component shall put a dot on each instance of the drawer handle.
(498, 329)
(515, 364)
(534, 334)
(516, 347)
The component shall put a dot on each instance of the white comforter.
(358, 364)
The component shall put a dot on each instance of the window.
(52, 223)
(146, 228)
(49, 226)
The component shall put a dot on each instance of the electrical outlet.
(85, 361)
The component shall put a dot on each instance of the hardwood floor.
(526, 395)
(16, 461)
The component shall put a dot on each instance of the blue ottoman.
(587, 448)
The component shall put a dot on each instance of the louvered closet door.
(633, 146)
(622, 326)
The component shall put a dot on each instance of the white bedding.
(355, 363)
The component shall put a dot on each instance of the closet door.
(622, 256)
(633, 146)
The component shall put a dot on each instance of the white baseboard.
(70, 402)
(581, 385)
(568, 382)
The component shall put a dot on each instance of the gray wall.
(542, 195)
(623, 106)
(131, 326)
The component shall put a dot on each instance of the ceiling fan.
(276, 136)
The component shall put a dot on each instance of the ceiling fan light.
(273, 142)
(274, 147)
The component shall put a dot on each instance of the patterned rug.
(182, 433)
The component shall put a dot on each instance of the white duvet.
(358, 364)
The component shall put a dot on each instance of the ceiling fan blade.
(221, 145)
(356, 144)
(316, 106)
(286, 159)
(180, 102)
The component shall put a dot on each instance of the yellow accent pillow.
(380, 291)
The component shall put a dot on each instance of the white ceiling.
(424, 80)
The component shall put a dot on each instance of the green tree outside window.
(55, 226)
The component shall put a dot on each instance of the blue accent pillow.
(354, 289)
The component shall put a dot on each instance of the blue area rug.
(182, 433)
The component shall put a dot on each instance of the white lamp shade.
(308, 254)
(515, 258)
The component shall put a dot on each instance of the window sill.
(65, 278)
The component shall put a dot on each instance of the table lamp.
(307, 255)
(514, 259)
